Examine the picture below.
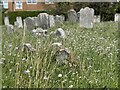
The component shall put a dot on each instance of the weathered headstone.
(10, 28)
(62, 56)
(86, 17)
(63, 17)
(6, 20)
(16, 24)
(59, 19)
(116, 18)
(72, 16)
(19, 21)
(43, 21)
(36, 21)
(51, 21)
(28, 50)
(39, 32)
(96, 18)
(29, 22)
(60, 33)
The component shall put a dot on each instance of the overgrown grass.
(95, 49)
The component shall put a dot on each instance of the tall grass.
(95, 49)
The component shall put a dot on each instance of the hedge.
(24, 14)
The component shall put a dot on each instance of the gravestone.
(62, 17)
(10, 28)
(51, 21)
(39, 32)
(43, 20)
(86, 17)
(62, 56)
(29, 23)
(6, 20)
(59, 19)
(19, 21)
(16, 24)
(72, 16)
(60, 33)
(96, 18)
(28, 49)
(36, 21)
(116, 17)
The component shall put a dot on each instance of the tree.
(107, 10)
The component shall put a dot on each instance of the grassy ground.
(95, 49)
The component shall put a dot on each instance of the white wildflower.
(45, 78)
(3, 59)
(59, 75)
(23, 59)
(27, 71)
(70, 86)
(10, 46)
(10, 70)
(16, 48)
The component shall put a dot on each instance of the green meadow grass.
(95, 49)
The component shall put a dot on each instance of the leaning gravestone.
(29, 22)
(43, 20)
(116, 17)
(6, 21)
(86, 17)
(19, 21)
(96, 18)
(72, 16)
(62, 56)
(60, 33)
(59, 19)
(62, 18)
(10, 28)
(51, 21)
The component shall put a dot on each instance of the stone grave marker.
(19, 21)
(29, 22)
(59, 19)
(96, 18)
(36, 21)
(39, 32)
(16, 24)
(60, 33)
(62, 56)
(43, 20)
(72, 16)
(51, 21)
(86, 17)
(10, 28)
(116, 17)
(6, 20)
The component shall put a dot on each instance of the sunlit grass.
(95, 49)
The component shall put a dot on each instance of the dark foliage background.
(107, 10)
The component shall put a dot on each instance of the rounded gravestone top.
(62, 56)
